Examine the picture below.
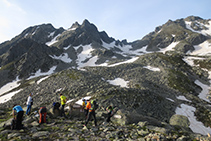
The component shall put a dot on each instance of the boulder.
(123, 117)
(179, 120)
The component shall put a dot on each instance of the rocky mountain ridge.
(163, 71)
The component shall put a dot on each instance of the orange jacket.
(88, 106)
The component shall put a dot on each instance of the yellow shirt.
(63, 99)
(84, 105)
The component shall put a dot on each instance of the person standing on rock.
(63, 102)
(17, 112)
(29, 104)
(84, 103)
(90, 107)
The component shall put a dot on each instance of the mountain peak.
(86, 22)
(193, 18)
(75, 25)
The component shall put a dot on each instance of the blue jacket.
(18, 108)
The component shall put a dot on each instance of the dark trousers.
(19, 119)
(86, 112)
(91, 114)
(62, 111)
(109, 115)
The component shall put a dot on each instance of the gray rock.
(6, 124)
(158, 129)
(143, 132)
(12, 135)
(40, 134)
(179, 120)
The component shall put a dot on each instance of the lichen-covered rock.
(179, 120)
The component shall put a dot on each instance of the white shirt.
(29, 100)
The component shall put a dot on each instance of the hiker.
(17, 117)
(29, 104)
(84, 103)
(63, 102)
(109, 109)
(43, 114)
(56, 111)
(56, 106)
(91, 108)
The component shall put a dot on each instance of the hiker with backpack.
(91, 107)
(63, 102)
(43, 114)
(17, 117)
(29, 104)
(109, 109)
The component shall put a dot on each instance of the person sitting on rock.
(17, 117)
(109, 109)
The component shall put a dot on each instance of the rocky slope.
(85, 61)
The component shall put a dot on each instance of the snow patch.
(39, 73)
(63, 57)
(170, 99)
(190, 60)
(125, 62)
(8, 96)
(85, 54)
(42, 79)
(195, 126)
(9, 86)
(52, 41)
(202, 49)
(125, 49)
(119, 82)
(204, 31)
(152, 68)
(168, 48)
(181, 97)
(204, 92)
(51, 34)
(35, 30)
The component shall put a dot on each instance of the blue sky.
(121, 19)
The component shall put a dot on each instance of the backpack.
(32, 101)
(94, 105)
(56, 105)
(85, 102)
